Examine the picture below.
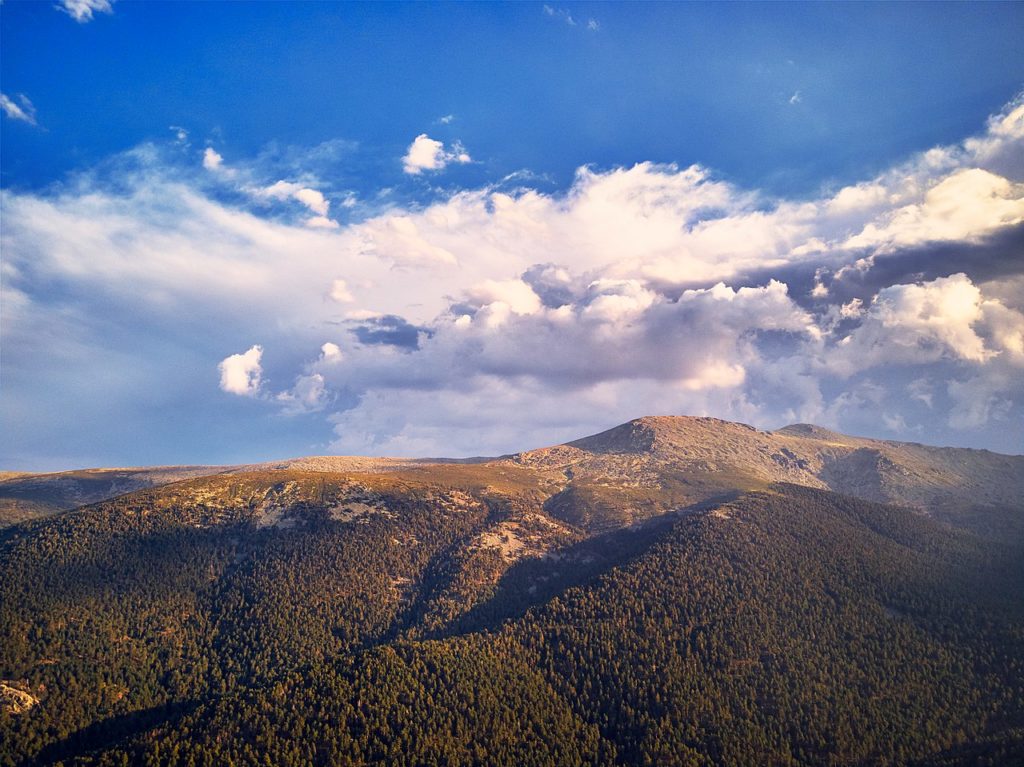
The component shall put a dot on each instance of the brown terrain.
(613, 479)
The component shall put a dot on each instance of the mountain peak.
(655, 433)
(811, 431)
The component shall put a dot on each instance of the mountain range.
(674, 590)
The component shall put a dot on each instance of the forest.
(782, 626)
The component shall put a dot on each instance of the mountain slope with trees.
(631, 598)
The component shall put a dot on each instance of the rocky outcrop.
(15, 700)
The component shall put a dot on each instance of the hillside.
(708, 451)
(671, 591)
(679, 459)
(25, 496)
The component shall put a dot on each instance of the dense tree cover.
(785, 627)
(140, 603)
(793, 628)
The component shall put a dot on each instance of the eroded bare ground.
(14, 699)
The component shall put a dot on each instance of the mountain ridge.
(707, 456)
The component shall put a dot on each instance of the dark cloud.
(996, 257)
(551, 283)
(390, 330)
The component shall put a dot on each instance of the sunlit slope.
(631, 472)
(693, 458)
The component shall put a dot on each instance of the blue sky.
(238, 231)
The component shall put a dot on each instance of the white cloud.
(977, 401)
(563, 14)
(559, 13)
(637, 289)
(946, 318)
(859, 197)
(212, 159)
(22, 109)
(851, 309)
(398, 239)
(241, 373)
(82, 10)
(922, 390)
(895, 422)
(330, 352)
(321, 222)
(944, 310)
(312, 199)
(308, 395)
(964, 205)
(515, 294)
(340, 292)
(425, 153)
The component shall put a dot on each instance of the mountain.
(25, 496)
(682, 457)
(671, 591)
(703, 454)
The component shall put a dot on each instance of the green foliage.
(790, 626)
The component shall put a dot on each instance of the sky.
(235, 232)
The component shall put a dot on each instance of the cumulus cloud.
(514, 294)
(340, 292)
(312, 199)
(212, 160)
(308, 395)
(241, 373)
(20, 109)
(82, 10)
(330, 352)
(321, 222)
(425, 153)
(925, 322)
(964, 205)
(978, 400)
(245, 179)
(649, 288)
